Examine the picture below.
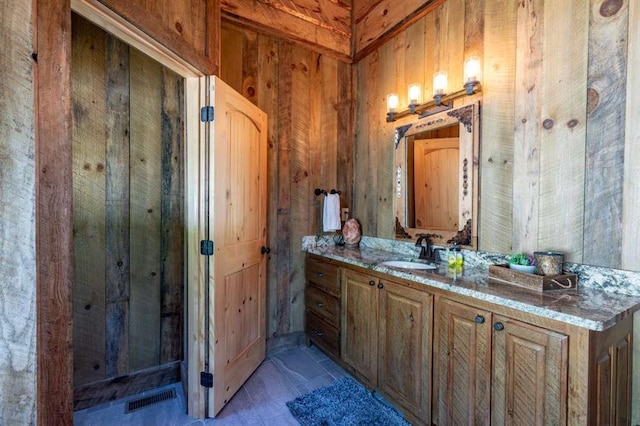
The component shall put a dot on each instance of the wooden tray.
(505, 275)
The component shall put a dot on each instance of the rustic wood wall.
(553, 108)
(325, 25)
(189, 28)
(307, 97)
(17, 213)
(128, 188)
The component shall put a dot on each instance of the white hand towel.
(331, 213)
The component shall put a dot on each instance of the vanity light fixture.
(471, 74)
(392, 106)
(439, 86)
(441, 97)
(414, 96)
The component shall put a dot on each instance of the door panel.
(239, 221)
(529, 374)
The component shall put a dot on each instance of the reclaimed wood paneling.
(53, 215)
(89, 160)
(563, 129)
(496, 153)
(526, 160)
(146, 215)
(307, 96)
(117, 205)
(20, 374)
(128, 159)
(604, 174)
(631, 192)
(172, 244)
(321, 25)
(377, 22)
(189, 28)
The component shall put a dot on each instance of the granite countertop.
(589, 308)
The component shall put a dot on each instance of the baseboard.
(108, 390)
(286, 342)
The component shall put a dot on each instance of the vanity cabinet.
(322, 301)
(493, 369)
(386, 339)
(446, 358)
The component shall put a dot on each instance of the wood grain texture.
(463, 364)
(171, 238)
(53, 197)
(267, 98)
(630, 211)
(261, 16)
(117, 205)
(604, 174)
(405, 325)
(89, 179)
(563, 129)
(190, 28)
(498, 109)
(345, 135)
(20, 374)
(300, 162)
(146, 210)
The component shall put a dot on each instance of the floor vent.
(138, 404)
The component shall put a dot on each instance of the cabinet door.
(463, 364)
(404, 360)
(359, 346)
(529, 374)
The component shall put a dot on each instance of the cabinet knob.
(265, 250)
(372, 283)
(380, 285)
(498, 326)
(411, 317)
(318, 273)
(318, 333)
(319, 305)
(479, 319)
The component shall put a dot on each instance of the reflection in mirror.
(437, 177)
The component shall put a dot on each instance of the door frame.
(53, 196)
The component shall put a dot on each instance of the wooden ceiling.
(344, 29)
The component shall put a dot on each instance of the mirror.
(436, 176)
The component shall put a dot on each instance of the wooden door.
(436, 183)
(463, 364)
(239, 219)
(405, 320)
(359, 341)
(529, 374)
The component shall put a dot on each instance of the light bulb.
(392, 102)
(440, 83)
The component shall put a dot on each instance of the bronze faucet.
(426, 250)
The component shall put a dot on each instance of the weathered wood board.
(128, 163)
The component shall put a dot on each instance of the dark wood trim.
(54, 221)
(395, 30)
(96, 393)
(206, 61)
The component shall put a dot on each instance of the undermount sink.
(407, 265)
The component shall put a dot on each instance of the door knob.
(264, 250)
(498, 326)
(479, 319)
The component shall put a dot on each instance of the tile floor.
(261, 401)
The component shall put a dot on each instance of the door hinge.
(206, 113)
(206, 248)
(206, 379)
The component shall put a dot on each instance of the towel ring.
(319, 191)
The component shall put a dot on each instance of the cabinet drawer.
(323, 275)
(322, 334)
(323, 304)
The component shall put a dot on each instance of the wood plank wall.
(554, 83)
(128, 186)
(188, 27)
(307, 96)
(17, 214)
